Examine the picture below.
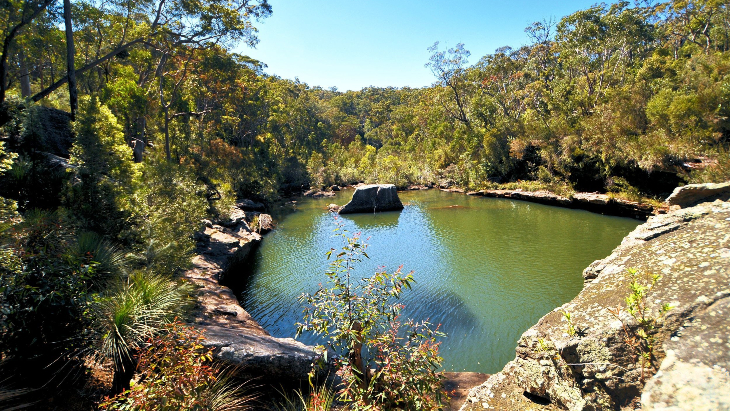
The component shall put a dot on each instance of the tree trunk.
(167, 133)
(123, 374)
(24, 76)
(139, 142)
(70, 54)
(356, 361)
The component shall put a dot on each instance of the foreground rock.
(595, 368)
(691, 194)
(237, 338)
(373, 198)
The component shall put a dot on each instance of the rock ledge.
(235, 336)
(595, 369)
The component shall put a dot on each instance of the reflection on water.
(486, 269)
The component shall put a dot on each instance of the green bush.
(384, 364)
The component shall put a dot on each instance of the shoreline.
(593, 202)
(239, 339)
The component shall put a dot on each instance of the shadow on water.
(367, 221)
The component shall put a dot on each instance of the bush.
(384, 364)
(44, 294)
(136, 310)
(178, 375)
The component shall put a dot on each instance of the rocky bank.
(594, 202)
(236, 337)
(597, 364)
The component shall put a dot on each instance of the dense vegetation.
(168, 127)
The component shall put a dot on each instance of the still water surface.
(485, 269)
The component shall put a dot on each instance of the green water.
(486, 269)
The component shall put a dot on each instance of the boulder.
(596, 366)
(373, 198)
(692, 194)
(264, 222)
(262, 357)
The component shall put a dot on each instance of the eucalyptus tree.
(449, 67)
(15, 17)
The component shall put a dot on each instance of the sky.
(355, 44)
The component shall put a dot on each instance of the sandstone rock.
(598, 203)
(694, 193)
(265, 358)
(335, 188)
(596, 369)
(235, 336)
(322, 194)
(264, 222)
(373, 198)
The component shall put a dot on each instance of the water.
(486, 269)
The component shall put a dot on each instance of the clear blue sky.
(354, 44)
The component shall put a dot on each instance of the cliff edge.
(591, 353)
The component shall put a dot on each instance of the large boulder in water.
(372, 198)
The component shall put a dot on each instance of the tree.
(449, 68)
(14, 17)
(174, 23)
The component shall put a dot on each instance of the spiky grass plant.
(109, 259)
(179, 375)
(136, 310)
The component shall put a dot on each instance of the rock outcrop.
(236, 337)
(693, 193)
(373, 198)
(593, 361)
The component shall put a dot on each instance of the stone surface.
(236, 337)
(596, 369)
(373, 198)
(693, 193)
(259, 222)
(458, 384)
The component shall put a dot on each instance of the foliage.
(178, 375)
(320, 398)
(102, 165)
(383, 363)
(170, 206)
(44, 290)
(571, 331)
(642, 339)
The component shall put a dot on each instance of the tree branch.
(53, 87)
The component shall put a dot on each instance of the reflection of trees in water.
(486, 270)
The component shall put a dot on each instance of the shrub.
(384, 364)
(136, 310)
(178, 375)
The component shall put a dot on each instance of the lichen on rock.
(597, 368)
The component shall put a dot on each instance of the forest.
(125, 123)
